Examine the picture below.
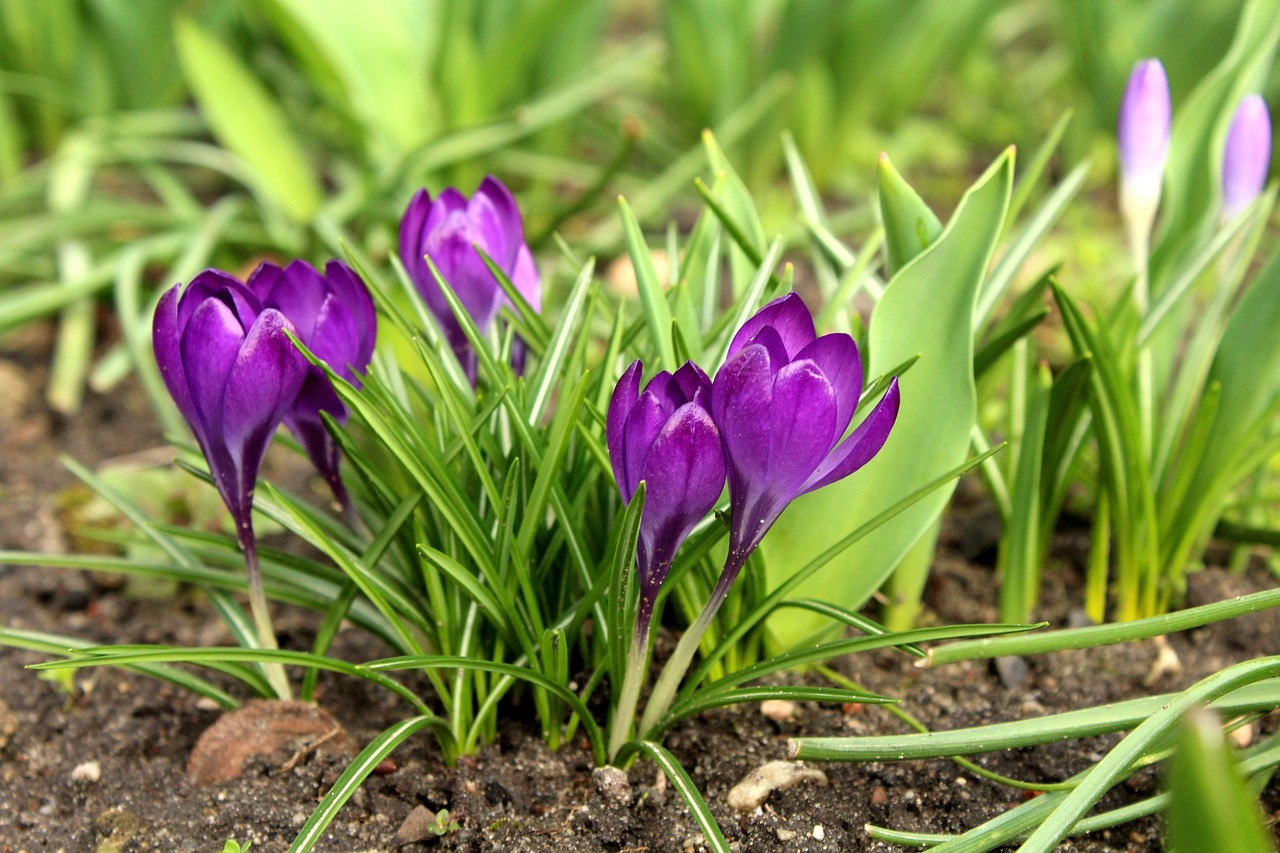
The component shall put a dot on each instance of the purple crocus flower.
(233, 373)
(1143, 137)
(664, 436)
(783, 401)
(449, 229)
(333, 316)
(1247, 155)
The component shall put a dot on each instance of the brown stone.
(284, 731)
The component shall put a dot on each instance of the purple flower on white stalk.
(783, 401)
(1143, 137)
(665, 437)
(449, 229)
(1247, 156)
(332, 314)
(233, 373)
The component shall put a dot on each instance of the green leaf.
(926, 310)
(355, 774)
(1247, 367)
(688, 790)
(1191, 188)
(1051, 728)
(247, 120)
(653, 299)
(910, 226)
(383, 61)
(1210, 809)
(739, 207)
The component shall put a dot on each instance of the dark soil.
(516, 795)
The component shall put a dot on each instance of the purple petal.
(165, 341)
(335, 339)
(836, 355)
(299, 291)
(741, 397)
(263, 382)
(525, 278)
(802, 427)
(644, 422)
(862, 444)
(693, 383)
(452, 248)
(625, 394)
(1143, 128)
(321, 449)
(684, 476)
(1247, 156)
(209, 344)
(411, 227)
(216, 284)
(497, 219)
(354, 294)
(788, 316)
(769, 338)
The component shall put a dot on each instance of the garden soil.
(103, 766)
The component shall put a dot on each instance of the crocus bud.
(1143, 136)
(664, 436)
(233, 373)
(449, 229)
(333, 316)
(1247, 155)
(783, 400)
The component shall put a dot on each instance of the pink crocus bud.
(1247, 155)
(1143, 137)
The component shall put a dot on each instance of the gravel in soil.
(102, 766)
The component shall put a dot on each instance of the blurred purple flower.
(333, 316)
(449, 229)
(1247, 155)
(233, 373)
(664, 436)
(783, 400)
(1143, 136)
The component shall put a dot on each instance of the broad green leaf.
(926, 310)
(910, 226)
(1247, 369)
(383, 61)
(247, 120)
(732, 192)
(1210, 809)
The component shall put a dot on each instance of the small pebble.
(90, 772)
(1012, 670)
(786, 834)
(879, 797)
(1242, 736)
(755, 787)
(819, 833)
(779, 710)
(612, 783)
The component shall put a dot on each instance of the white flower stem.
(262, 614)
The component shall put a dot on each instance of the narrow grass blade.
(688, 790)
(359, 769)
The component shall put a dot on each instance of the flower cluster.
(772, 423)
(452, 231)
(1143, 135)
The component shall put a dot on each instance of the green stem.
(261, 613)
(664, 690)
(629, 697)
